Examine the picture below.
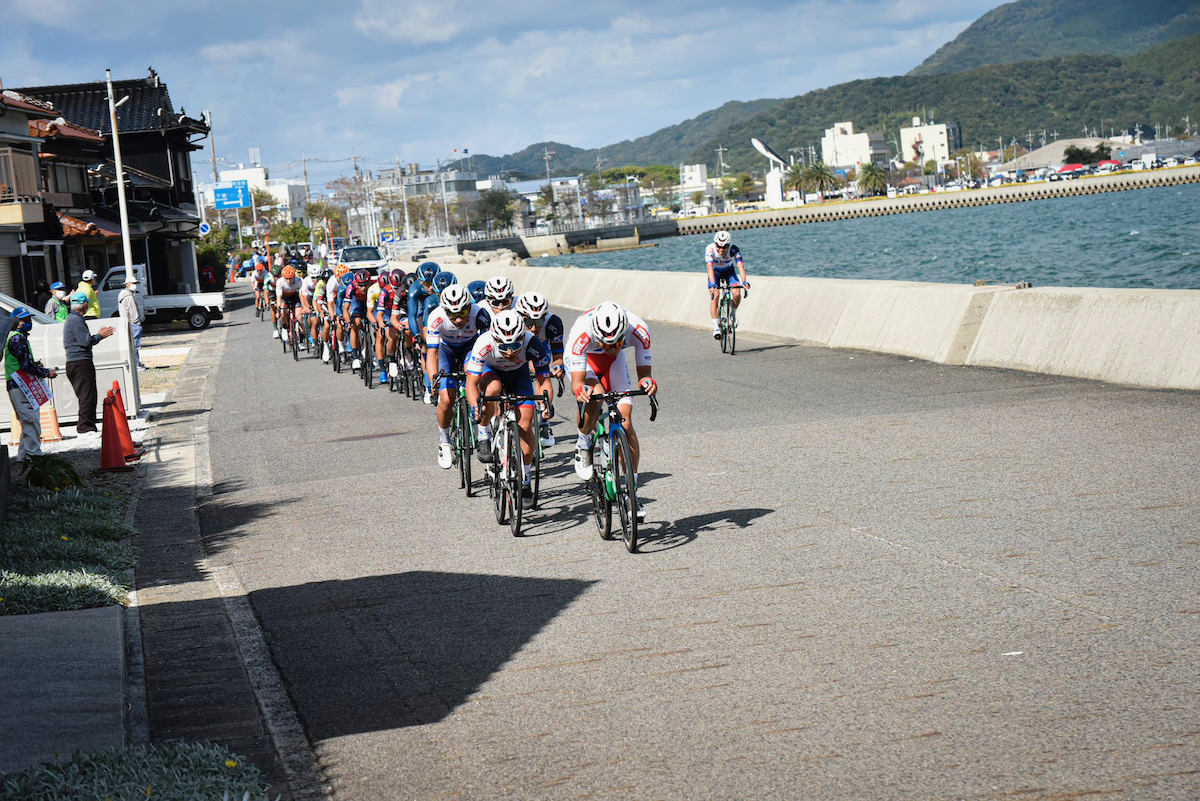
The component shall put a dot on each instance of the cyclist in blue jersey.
(418, 293)
(450, 332)
(721, 259)
(547, 327)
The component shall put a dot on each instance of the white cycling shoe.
(445, 456)
(275, 334)
(547, 436)
(583, 464)
(717, 332)
(285, 336)
(641, 513)
(357, 365)
(428, 399)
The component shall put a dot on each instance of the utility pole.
(403, 198)
(304, 162)
(548, 154)
(212, 145)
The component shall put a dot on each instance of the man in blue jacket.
(78, 342)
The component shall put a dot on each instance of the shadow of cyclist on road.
(655, 535)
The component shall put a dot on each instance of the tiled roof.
(61, 128)
(11, 98)
(134, 176)
(87, 225)
(149, 107)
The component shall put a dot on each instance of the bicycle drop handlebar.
(613, 397)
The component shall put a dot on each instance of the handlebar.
(613, 397)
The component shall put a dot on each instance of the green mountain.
(666, 146)
(1038, 29)
(1064, 94)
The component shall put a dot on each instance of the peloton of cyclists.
(721, 259)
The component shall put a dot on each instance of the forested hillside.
(1039, 29)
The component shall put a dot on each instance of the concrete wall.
(1142, 337)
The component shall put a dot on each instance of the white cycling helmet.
(455, 298)
(533, 306)
(507, 329)
(722, 239)
(609, 323)
(498, 290)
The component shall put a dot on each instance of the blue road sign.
(205, 228)
(235, 195)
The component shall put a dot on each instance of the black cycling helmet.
(398, 278)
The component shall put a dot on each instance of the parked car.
(362, 257)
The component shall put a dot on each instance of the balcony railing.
(18, 176)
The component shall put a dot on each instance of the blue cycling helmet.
(476, 288)
(443, 280)
(428, 271)
(347, 278)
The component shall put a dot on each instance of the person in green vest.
(88, 287)
(22, 379)
(58, 307)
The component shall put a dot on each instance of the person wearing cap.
(21, 373)
(88, 287)
(78, 342)
(58, 307)
(129, 302)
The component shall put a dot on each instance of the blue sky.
(381, 78)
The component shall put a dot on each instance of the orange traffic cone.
(112, 455)
(50, 431)
(121, 427)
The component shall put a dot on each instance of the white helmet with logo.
(609, 323)
(507, 328)
(498, 290)
(722, 239)
(455, 298)
(533, 306)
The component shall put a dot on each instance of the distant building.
(288, 194)
(932, 141)
(842, 148)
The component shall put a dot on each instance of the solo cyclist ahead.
(724, 261)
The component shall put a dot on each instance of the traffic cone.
(112, 455)
(50, 431)
(121, 426)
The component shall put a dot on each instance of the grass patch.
(168, 771)
(64, 550)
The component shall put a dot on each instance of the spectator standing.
(88, 287)
(129, 302)
(58, 307)
(41, 293)
(78, 342)
(22, 379)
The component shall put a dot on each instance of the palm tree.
(794, 178)
(872, 180)
(820, 177)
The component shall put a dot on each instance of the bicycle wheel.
(535, 469)
(723, 322)
(732, 333)
(335, 351)
(601, 506)
(516, 473)
(283, 334)
(295, 337)
(622, 472)
(466, 450)
(499, 484)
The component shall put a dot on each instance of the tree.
(547, 203)
(357, 196)
(794, 179)
(318, 211)
(698, 198)
(292, 233)
(495, 206)
(820, 178)
(872, 179)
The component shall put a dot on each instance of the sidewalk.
(169, 666)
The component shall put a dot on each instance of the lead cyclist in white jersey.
(721, 259)
(596, 358)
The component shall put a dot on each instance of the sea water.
(1137, 238)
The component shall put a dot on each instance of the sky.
(417, 80)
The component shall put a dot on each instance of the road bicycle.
(727, 316)
(506, 473)
(336, 337)
(612, 480)
(298, 332)
(261, 305)
(462, 429)
(367, 340)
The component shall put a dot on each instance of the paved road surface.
(863, 577)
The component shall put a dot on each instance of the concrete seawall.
(1141, 337)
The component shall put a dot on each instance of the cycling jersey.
(381, 301)
(308, 287)
(373, 295)
(400, 302)
(731, 259)
(260, 274)
(582, 347)
(288, 291)
(442, 330)
(551, 335)
(417, 294)
(510, 369)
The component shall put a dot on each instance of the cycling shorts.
(358, 308)
(730, 274)
(450, 360)
(514, 382)
(291, 301)
(612, 372)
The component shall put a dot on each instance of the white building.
(931, 141)
(841, 147)
(288, 194)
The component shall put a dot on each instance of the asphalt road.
(863, 577)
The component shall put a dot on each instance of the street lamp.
(113, 105)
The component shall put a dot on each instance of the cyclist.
(449, 334)
(418, 293)
(499, 360)
(477, 290)
(341, 325)
(259, 272)
(400, 316)
(720, 260)
(394, 327)
(309, 287)
(321, 306)
(535, 311)
(269, 287)
(597, 345)
(379, 302)
(499, 293)
(354, 309)
(287, 297)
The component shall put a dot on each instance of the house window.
(69, 178)
(18, 176)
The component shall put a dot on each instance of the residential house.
(26, 227)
